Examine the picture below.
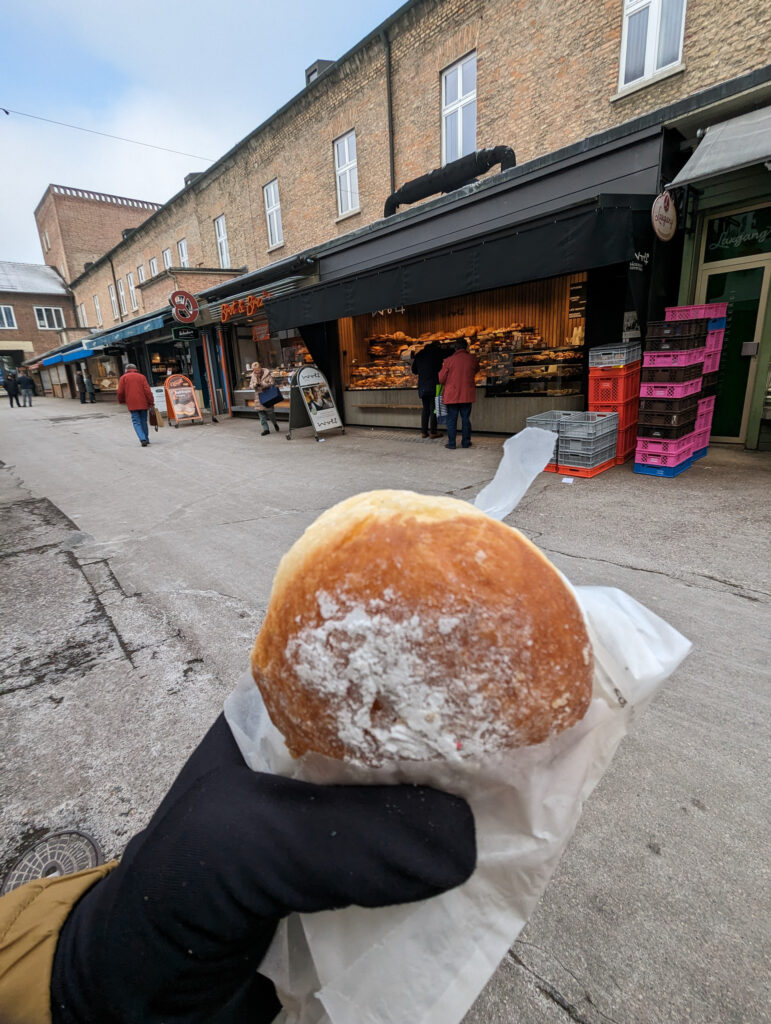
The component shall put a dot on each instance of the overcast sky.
(193, 76)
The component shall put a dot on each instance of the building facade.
(436, 81)
(35, 307)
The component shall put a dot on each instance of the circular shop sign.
(664, 217)
(184, 307)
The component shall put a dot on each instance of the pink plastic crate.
(711, 361)
(676, 358)
(706, 405)
(710, 311)
(703, 421)
(714, 341)
(660, 446)
(691, 387)
(658, 459)
(700, 438)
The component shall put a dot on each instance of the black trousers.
(11, 398)
(428, 414)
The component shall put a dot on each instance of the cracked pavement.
(134, 581)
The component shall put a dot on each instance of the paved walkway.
(133, 583)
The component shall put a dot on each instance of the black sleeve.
(182, 924)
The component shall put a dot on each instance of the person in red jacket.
(457, 375)
(134, 392)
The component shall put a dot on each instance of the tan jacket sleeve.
(30, 919)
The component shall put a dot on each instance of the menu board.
(181, 402)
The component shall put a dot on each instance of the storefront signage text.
(248, 306)
(389, 312)
(577, 301)
(664, 217)
(740, 234)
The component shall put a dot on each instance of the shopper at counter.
(457, 376)
(80, 384)
(89, 385)
(262, 379)
(426, 366)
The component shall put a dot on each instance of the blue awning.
(143, 327)
(77, 354)
(53, 359)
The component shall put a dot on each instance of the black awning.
(601, 232)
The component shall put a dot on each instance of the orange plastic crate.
(627, 411)
(614, 386)
(580, 471)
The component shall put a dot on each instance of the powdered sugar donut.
(407, 627)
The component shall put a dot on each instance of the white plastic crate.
(620, 354)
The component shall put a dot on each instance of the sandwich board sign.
(181, 402)
(311, 403)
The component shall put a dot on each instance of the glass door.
(744, 286)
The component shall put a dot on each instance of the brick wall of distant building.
(547, 76)
(27, 329)
(80, 226)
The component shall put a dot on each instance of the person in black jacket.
(177, 931)
(11, 386)
(426, 364)
(27, 387)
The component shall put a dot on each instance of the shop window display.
(104, 372)
(282, 355)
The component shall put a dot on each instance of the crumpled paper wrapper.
(426, 963)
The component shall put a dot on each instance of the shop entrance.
(736, 268)
(744, 286)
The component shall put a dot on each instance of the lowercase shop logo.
(664, 217)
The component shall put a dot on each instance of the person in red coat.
(457, 375)
(134, 392)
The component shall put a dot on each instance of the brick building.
(35, 307)
(437, 80)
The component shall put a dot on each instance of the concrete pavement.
(133, 583)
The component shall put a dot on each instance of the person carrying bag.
(266, 394)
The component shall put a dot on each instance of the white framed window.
(98, 311)
(346, 173)
(166, 254)
(221, 234)
(153, 266)
(182, 253)
(652, 38)
(121, 295)
(132, 291)
(7, 319)
(459, 109)
(113, 300)
(141, 273)
(82, 319)
(49, 318)
(46, 243)
(273, 213)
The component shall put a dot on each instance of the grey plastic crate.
(587, 460)
(588, 426)
(569, 446)
(549, 421)
(620, 354)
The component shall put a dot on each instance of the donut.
(407, 627)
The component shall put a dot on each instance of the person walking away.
(80, 384)
(90, 390)
(426, 366)
(27, 387)
(457, 375)
(134, 392)
(260, 380)
(11, 386)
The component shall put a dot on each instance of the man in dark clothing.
(426, 365)
(178, 929)
(11, 386)
(134, 392)
(27, 388)
(80, 384)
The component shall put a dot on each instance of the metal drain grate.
(61, 853)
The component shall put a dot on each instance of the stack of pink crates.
(677, 389)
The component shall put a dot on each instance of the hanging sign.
(184, 307)
(577, 301)
(185, 333)
(317, 398)
(181, 402)
(664, 217)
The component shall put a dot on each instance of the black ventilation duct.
(453, 175)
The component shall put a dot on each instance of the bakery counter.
(400, 407)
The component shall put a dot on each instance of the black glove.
(177, 931)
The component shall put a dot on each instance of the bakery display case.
(281, 356)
